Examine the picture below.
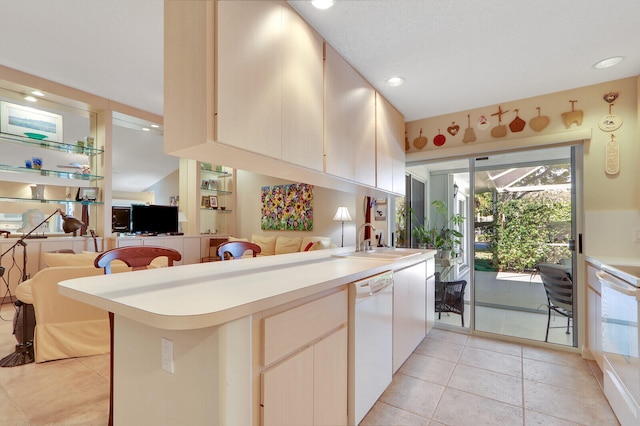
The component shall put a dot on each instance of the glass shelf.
(218, 210)
(46, 172)
(55, 146)
(220, 174)
(49, 201)
(215, 191)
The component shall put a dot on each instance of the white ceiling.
(454, 55)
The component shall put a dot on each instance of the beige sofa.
(276, 244)
(66, 328)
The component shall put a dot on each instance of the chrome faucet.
(359, 248)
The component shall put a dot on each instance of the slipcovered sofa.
(276, 244)
(66, 328)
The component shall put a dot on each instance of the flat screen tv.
(120, 219)
(154, 219)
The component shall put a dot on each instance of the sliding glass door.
(523, 218)
(515, 211)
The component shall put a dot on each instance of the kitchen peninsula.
(207, 343)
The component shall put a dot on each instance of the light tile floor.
(508, 322)
(450, 379)
(65, 392)
(457, 379)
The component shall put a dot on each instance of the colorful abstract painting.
(287, 207)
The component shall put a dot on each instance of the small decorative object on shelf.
(89, 143)
(37, 162)
(87, 194)
(213, 201)
(37, 192)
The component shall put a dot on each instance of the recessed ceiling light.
(37, 93)
(322, 4)
(155, 126)
(395, 81)
(146, 129)
(30, 99)
(609, 62)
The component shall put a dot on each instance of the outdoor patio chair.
(450, 297)
(559, 288)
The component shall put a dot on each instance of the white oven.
(621, 366)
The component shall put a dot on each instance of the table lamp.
(342, 214)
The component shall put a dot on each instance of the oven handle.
(616, 284)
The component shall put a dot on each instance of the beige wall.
(325, 204)
(610, 202)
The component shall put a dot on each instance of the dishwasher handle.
(380, 282)
(378, 289)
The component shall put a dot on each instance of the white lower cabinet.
(430, 294)
(409, 311)
(594, 317)
(304, 380)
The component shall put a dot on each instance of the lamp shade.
(342, 214)
(70, 224)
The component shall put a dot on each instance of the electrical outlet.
(167, 355)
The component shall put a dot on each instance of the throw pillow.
(287, 245)
(319, 245)
(267, 243)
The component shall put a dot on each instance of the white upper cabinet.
(247, 84)
(269, 82)
(302, 93)
(350, 150)
(250, 47)
(189, 70)
(390, 161)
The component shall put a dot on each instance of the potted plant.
(446, 238)
(424, 236)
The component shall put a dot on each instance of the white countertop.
(209, 294)
(598, 261)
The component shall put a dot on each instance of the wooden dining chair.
(137, 258)
(235, 249)
(213, 246)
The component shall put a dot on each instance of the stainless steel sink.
(381, 254)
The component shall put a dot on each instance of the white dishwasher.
(370, 342)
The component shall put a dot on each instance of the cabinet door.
(189, 89)
(302, 93)
(389, 147)
(409, 312)
(430, 303)
(594, 315)
(191, 251)
(249, 62)
(330, 379)
(287, 391)
(349, 121)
